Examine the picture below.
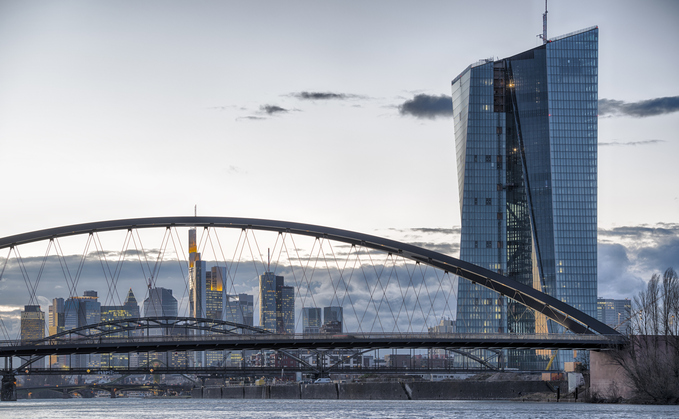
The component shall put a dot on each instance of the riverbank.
(418, 390)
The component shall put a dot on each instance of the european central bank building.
(526, 147)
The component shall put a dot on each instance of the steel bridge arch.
(574, 320)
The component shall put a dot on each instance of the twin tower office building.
(526, 146)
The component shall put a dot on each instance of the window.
(489, 245)
(489, 201)
(489, 158)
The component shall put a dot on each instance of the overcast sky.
(327, 113)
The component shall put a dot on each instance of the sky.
(331, 113)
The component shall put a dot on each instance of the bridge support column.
(8, 393)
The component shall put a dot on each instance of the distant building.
(32, 323)
(160, 303)
(240, 309)
(215, 298)
(197, 276)
(334, 314)
(276, 304)
(129, 310)
(615, 313)
(56, 317)
(331, 328)
(445, 326)
(80, 312)
(311, 320)
(56, 325)
(33, 327)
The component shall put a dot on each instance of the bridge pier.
(8, 393)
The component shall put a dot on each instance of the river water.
(317, 409)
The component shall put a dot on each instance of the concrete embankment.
(424, 390)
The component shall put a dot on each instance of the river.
(317, 409)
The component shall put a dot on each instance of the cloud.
(427, 106)
(630, 255)
(630, 143)
(614, 272)
(272, 109)
(251, 118)
(641, 109)
(324, 96)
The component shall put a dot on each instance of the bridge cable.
(342, 278)
(180, 254)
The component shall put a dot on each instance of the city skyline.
(96, 114)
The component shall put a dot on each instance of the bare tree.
(651, 360)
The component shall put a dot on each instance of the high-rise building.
(276, 304)
(197, 276)
(160, 303)
(334, 314)
(80, 312)
(56, 316)
(33, 327)
(526, 143)
(215, 297)
(32, 323)
(311, 320)
(55, 324)
(615, 313)
(240, 309)
(129, 310)
(130, 305)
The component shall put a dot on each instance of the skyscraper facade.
(240, 309)
(197, 278)
(311, 320)
(32, 323)
(129, 310)
(334, 315)
(55, 324)
(160, 303)
(615, 313)
(276, 304)
(526, 145)
(79, 312)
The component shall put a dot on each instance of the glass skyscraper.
(276, 304)
(526, 145)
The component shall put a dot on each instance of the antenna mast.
(544, 25)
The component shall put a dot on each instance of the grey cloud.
(324, 96)
(631, 143)
(272, 109)
(639, 232)
(630, 255)
(445, 248)
(454, 230)
(251, 117)
(615, 278)
(427, 106)
(641, 109)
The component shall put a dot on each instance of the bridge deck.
(283, 342)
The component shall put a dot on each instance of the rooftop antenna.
(544, 25)
(268, 259)
(195, 207)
